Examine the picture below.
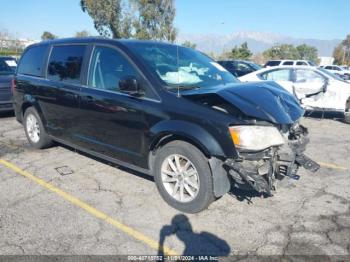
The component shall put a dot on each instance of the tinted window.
(277, 75)
(227, 64)
(32, 61)
(328, 67)
(288, 63)
(65, 63)
(303, 75)
(108, 66)
(254, 66)
(273, 63)
(301, 63)
(7, 65)
(243, 69)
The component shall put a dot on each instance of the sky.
(318, 19)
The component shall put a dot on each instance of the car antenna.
(178, 71)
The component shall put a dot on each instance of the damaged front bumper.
(261, 170)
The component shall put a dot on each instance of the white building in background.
(15, 44)
(26, 42)
(326, 60)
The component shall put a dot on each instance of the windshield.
(180, 67)
(331, 75)
(254, 66)
(7, 66)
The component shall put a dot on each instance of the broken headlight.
(255, 138)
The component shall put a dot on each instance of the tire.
(347, 118)
(41, 140)
(347, 112)
(197, 173)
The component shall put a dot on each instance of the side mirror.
(130, 85)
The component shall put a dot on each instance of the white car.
(338, 70)
(272, 63)
(315, 88)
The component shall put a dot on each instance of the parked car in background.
(165, 110)
(8, 67)
(272, 63)
(338, 70)
(315, 88)
(239, 67)
(346, 67)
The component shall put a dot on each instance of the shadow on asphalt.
(244, 195)
(319, 115)
(7, 114)
(125, 169)
(203, 243)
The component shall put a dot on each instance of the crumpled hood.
(264, 100)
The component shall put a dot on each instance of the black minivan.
(165, 110)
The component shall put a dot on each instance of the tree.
(48, 36)
(258, 59)
(111, 18)
(149, 19)
(341, 53)
(241, 52)
(155, 21)
(283, 51)
(307, 52)
(82, 33)
(189, 44)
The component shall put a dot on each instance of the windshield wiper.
(183, 87)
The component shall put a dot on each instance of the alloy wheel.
(33, 129)
(180, 178)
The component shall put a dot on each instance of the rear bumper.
(261, 170)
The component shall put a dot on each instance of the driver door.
(111, 122)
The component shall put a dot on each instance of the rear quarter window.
(273, 63)
(65, 63)
(33, 60)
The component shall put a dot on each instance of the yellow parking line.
(93, 211)
(327, 165)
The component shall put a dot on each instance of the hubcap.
(33, 129)
(180, 178)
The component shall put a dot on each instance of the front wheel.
(183, 177)
(347, 112)
(347, 117)
(35, 130)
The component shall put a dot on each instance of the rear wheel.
(347, 112)
(34, 130)
(183, 177)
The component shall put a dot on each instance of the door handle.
(90, 99)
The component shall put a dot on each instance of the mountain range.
(257, 41)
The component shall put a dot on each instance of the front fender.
(190, 131)
(204, 141)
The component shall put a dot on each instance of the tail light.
(13, 85)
